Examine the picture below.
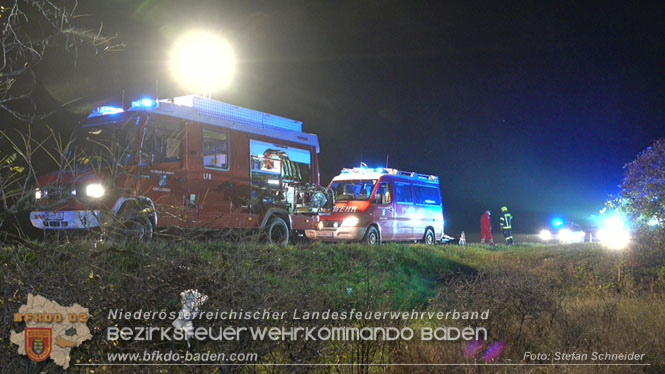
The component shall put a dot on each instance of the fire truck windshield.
(352, 190)
(108, 142)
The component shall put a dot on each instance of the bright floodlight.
(202, 62)
(614, 233)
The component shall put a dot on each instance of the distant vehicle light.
(95, 190)
(38, 194)
(557, 222)
(350, 221)
(565, 236)
(545, 235)
(653, 222)
(144, 103)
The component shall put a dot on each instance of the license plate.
(324, 234)
(58, 216)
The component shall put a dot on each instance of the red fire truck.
(378, 205)
(187, 162)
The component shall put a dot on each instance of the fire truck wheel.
(372, 236)
(429, 237)
(137, 227)
(277, 231)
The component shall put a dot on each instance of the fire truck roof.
(217, 113)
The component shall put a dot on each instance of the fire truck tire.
(137, 226)
(372, 236)
(429, 237)
(277, 231)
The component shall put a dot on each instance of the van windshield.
(107, 142)
(352, 190)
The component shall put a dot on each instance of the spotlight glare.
(202, 62)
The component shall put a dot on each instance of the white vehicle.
(379, 205)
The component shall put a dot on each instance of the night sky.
(535, 105)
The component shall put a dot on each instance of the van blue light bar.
(104, 110)
(362, 170)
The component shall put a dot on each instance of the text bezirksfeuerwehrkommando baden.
(296, 314)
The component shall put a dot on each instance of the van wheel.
(136, 227)
(372, 236)
(429, 237)
(277, 231)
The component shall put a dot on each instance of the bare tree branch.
(28, 28)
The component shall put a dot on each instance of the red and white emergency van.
(379, 205)
(187, 162)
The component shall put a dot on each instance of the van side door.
(404, 211)
(429, 211)
(382, 210)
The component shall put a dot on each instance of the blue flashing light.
(363, 169)
(144, 103)
(557, 222)
(104, 110)
(109, 110)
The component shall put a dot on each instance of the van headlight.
(38, 194)
(95, 190)
(350, 221)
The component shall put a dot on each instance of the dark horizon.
(535, 106)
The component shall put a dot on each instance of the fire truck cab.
(187, 162)
(378, 205)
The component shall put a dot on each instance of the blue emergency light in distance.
(144, 103)
(104, 110)
(557, 222)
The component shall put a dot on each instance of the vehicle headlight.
(545, 235)
(94, 190)
(350, 221)
(565, 235)
(320, 225)
(38, 194)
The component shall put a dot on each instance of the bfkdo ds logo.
(51, 330)
(38, 343)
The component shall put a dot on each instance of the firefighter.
(486, 228)
(506, 223)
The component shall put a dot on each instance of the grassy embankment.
(542, 298)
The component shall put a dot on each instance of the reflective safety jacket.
(506, 221)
